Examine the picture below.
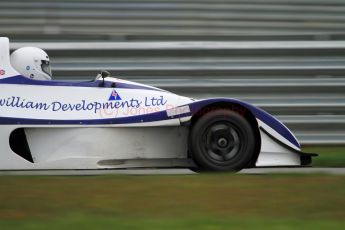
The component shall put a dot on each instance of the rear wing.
(6, 69)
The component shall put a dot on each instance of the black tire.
(222, 140)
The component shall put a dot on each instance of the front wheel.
(222, 140)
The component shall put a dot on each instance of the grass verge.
(328, 156)
(208, 201)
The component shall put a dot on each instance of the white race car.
(110, 123)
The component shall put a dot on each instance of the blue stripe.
(20, 80)
(152, 117)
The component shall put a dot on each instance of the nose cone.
(277, 126)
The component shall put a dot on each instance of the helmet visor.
(46, 68)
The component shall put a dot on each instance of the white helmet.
(32, 62)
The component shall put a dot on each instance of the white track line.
(336, 171)
(258, 171)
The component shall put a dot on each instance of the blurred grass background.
(203, 201)
(206, 201)
(329, 156)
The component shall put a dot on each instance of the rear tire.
(222, 140)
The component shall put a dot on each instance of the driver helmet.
(32, 62)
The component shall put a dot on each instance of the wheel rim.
(222, 141)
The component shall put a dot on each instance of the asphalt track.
(255, 171)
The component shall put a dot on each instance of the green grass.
(328, 156)
(92, 223)
(207, 201)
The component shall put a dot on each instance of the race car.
(109, 123)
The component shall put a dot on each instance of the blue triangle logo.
(114, 96)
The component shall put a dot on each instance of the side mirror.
(104, 74)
